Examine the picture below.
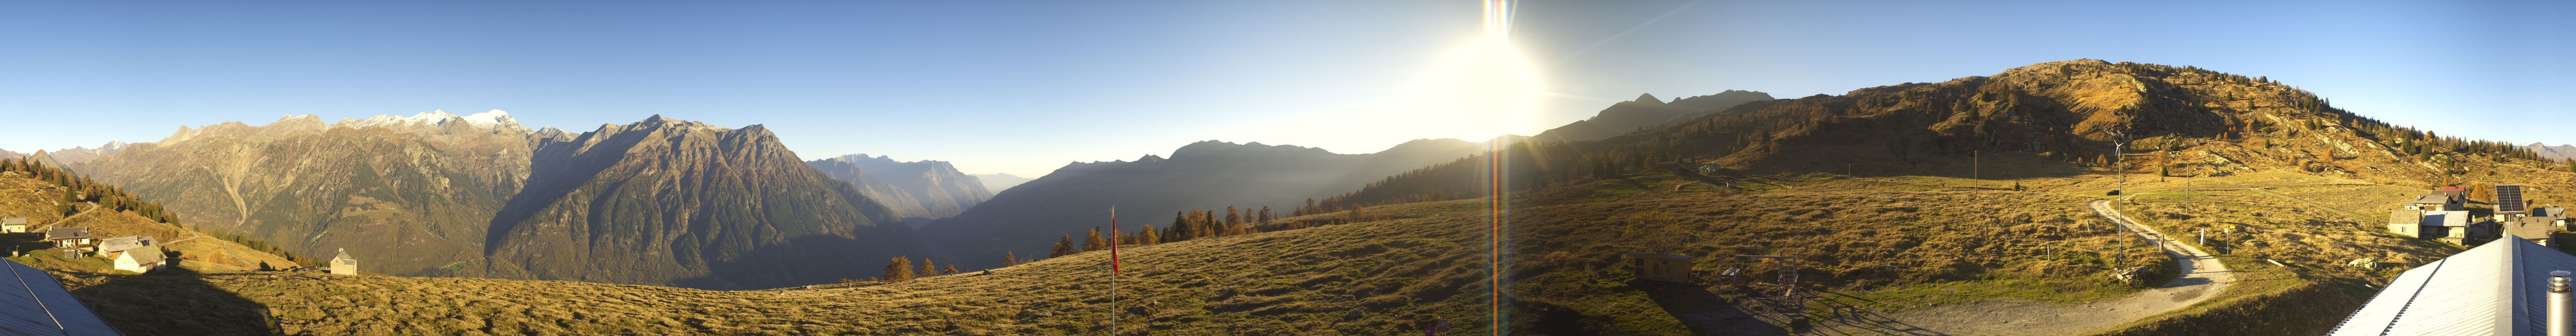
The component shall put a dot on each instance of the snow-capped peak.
(487, 121)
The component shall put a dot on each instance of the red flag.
(1113, 239)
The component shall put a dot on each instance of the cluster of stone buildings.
(2444, 215)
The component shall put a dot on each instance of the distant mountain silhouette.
(1646, 111)
(1205, 175)
(927, 189)
(2559, 152)
(996, 182)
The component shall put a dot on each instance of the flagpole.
(1113, 270)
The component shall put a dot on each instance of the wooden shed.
(1660, 267)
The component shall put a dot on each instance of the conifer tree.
(1010, 259)
(1092, 242)
(952, 269)
(1148, 236)
(898, 270)
(928, 269)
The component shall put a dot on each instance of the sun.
(1483, 87)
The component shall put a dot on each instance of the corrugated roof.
(13, 221)
(2494, 289)
(31, 303)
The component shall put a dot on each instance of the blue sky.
(1024, 87)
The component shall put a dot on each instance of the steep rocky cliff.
(927, 189)
(666, 201)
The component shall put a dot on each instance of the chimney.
(2561, 303)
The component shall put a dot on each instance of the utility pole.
(2122, 169)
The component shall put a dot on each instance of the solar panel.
(2509, 199)
(36, 305)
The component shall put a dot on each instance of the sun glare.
(1481, 88)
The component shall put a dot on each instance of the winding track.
(2203, 277)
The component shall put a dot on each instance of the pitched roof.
(13, 220)
(2403, 216)
(67, 233)
(2447, 218)
(2430, 199)
(146, 255)
(2498, 288)
(344, 255)
(2531, 227)
(122, 243)
(31, 303)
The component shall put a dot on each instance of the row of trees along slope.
(425, 196)
(47, 195)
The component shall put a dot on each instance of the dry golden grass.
(1372, 278)
(1890, 243)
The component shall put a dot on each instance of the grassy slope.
(2312, 287)
(1880, 243)
(1372, 278)
(21, 196)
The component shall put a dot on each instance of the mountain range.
(656, 202)
(1645, 111)
(2559, 152)
(665, 201)
(925, 189)
(996, 182)
(1026, 219)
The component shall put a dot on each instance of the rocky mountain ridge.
(926, 189)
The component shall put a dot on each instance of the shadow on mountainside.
(174, 301)
(809, 260)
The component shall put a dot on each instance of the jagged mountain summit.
(926, 189)
(416, 196)
(1203, 175)
(666, 201)
(1646, 111)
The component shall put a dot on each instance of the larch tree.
(1092, 242)
(898, 270)
(1063, 247)
(1010, 259)
(928, 269)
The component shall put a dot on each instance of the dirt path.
(2202, 276)
(66, 219)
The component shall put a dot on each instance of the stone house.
(140, 259)
(343, 264)
(13, 224)
(70, 237)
